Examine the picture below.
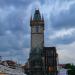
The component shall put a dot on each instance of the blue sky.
(59, 18)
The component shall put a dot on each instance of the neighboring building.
(61, 66)
(9, 63)
(63, 72)
(1, 73)
(50, 60)
(9, 67)
(39, 54)
(5, 70)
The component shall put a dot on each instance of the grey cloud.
(16, 55)
(16, 3)
(56, 37)
(10, 27)
(65, 19)
(65, 40)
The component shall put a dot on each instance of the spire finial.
(37, 15)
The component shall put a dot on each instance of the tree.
(71, 69)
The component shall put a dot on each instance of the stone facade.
(37, 41)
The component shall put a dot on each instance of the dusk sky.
(59, 16)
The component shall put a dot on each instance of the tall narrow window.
(37, 28)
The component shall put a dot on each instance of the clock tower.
(37, 44)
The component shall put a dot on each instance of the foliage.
(71, 72)
(69, 66)
(71, 69)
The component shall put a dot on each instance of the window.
(37, 28)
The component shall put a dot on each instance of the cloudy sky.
(59, 18)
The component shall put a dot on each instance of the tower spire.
(37, 15)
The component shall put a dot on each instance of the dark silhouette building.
(50, 60)
(42, 60)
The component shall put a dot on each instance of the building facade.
(39, 54)
(50, 60)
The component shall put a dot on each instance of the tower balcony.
(37, 22)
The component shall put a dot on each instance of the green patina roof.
(37, 15)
